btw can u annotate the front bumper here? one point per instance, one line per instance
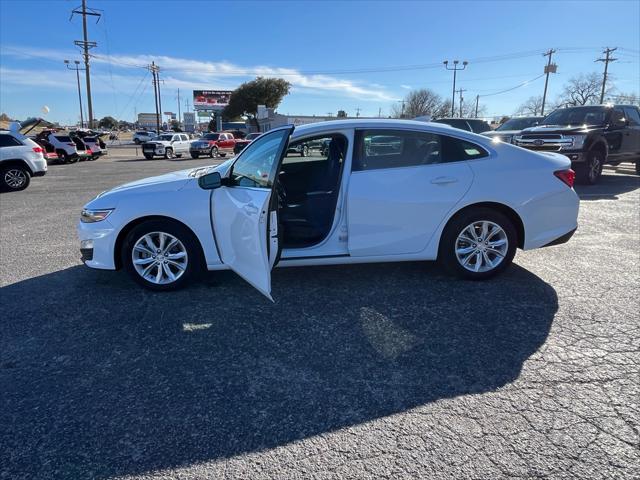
(97, 244)
(41, 173)
(199, 149)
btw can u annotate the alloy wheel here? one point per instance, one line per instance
(159, 258)
(594, 167)
(15, 178)
(481, 246)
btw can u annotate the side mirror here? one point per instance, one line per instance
(210, 181)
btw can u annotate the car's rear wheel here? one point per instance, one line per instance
(63, 156)
(161, 255)
(590, 171)
(168, 153)
(477, 244)
(148, 156)
(213, 152)
(14, 178)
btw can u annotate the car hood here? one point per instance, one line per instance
(159, 142)
(562, 129)
(169, 182)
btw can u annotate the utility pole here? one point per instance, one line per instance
(77, 69)
(461, 99)
(477, 102)
(179, 114)
(379, 112)
(606, 61)
(549, 68)
(86, 45)
(154, 71)
(455, 70)
(358, 112)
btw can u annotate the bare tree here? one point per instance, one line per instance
(533, 106)
(629, 98)
(417, 103)
(581, 90)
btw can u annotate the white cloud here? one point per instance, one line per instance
(188, 73)
(406, 87)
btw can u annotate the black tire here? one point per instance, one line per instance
(304, 151)
(14, 178)
(62, 156)
(136, 141)
(589, 172)
(148, 156)
(195, 155)
(93, 158)
(168, 153)
(213, 152)
(638, 167)
(459, 223)
(195, 259)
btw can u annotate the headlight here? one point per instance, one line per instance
(578, 140)
(92, 216)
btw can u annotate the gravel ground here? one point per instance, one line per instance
(367, 371)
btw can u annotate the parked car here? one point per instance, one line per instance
(474, 125)
(589, 136)
(242, 143)
(93, 140)
(20, 159)
(84, 150)
(511, 128)
(68, 149)
(143, 136)
(167, 145)
(445, 194)
(213, 144)
(48, 150)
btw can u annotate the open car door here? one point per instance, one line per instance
(245, 210)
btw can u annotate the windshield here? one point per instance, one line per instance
(253, 136)
(577, 116)
(166, 138)
(518, 123)
(211, 136)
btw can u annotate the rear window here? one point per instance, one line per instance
(479, 126)
(63, 138)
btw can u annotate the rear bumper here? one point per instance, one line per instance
(561, 239)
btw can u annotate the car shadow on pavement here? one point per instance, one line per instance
(103, 377)
(609, 187)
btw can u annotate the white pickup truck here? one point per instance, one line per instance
(167, 145)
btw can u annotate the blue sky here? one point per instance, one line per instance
(322, 48)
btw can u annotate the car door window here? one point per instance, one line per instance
(617, 118)
(378, 149)
(8, 141)
(184, 138)
(632, 115)
(258, 162)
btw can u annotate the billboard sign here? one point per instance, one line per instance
(211, 99)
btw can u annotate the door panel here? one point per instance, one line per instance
(397, 210)
(240, 222)
(243, 216)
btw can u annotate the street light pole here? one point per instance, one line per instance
(455, 71)
(77, 69)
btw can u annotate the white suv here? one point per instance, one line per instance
(167, 145)
(143, 136)
(20, 159)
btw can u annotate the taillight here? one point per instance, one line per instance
(567, 176)
(38, 149)
(89, 150)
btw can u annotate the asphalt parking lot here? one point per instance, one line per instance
(365, 371)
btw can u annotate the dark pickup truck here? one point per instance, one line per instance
(590, 136)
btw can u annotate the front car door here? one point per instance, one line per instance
(632, 115)
(244, 210)
(617, 135)
(403, 184)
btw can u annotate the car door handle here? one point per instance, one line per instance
(444, 180)
(251, 209)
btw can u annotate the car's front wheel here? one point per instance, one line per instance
(148, 156)
(161, 255)
(195, 155)
(213, 152)
(168, 153)
(14, 178)
(589, 173)
(478, 244)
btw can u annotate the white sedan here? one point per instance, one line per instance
(369, 191)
